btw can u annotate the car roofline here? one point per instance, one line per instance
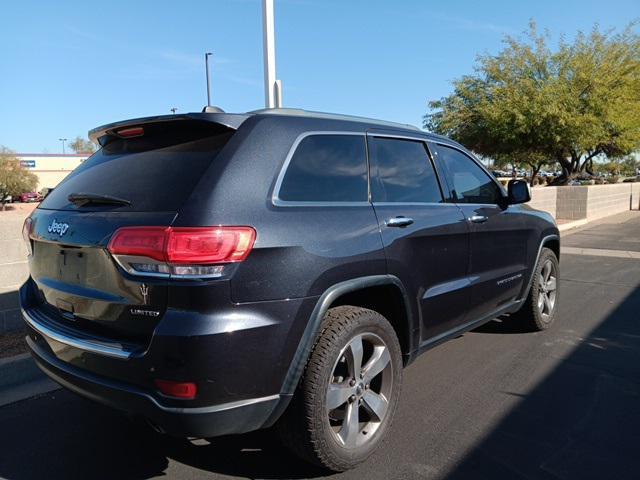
(235, 120)
(298, 112)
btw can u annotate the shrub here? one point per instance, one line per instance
(14, 179)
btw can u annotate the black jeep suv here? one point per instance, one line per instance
(220, 273)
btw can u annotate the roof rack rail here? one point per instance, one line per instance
(331, 116)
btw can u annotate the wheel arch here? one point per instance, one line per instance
(551, 241)
(357, 292)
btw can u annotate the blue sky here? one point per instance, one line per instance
(69, 66)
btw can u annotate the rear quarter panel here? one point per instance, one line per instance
(300, 251)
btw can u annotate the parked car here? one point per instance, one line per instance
(28, 197)
(279, 267)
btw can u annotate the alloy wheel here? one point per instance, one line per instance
(359, 391)
(547, 291)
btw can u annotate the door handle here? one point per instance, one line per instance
(399, 222)
(478, 218)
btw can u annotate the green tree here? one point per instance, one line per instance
(629, 166)
(14, 179)
(80, 145)
(532, 161)
(566, 105)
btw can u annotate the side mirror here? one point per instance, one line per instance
(518, 192)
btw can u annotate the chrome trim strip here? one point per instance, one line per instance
(414, 138)
(448, 287)
(278, 202)
(75, 342)
(215, 408)
(287, 203)
(409, 204)
(125, 262)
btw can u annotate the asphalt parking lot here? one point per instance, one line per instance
(492, 404)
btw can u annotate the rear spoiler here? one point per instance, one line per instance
(229, 120)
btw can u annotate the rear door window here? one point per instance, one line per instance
(155, 172)
(326, 168)
(401, 171)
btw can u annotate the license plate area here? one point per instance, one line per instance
(72, 266)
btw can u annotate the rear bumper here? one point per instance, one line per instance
(237, 354)
(234, 417)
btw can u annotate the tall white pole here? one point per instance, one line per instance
(269, 51)
(206, 66)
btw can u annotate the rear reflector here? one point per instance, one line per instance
(184, 390)
(181, 252)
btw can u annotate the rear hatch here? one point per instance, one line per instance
(141, 176)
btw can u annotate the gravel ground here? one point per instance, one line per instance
(12, 343)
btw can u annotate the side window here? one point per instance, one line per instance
(327, 168)
(468, 182)
(401, 171)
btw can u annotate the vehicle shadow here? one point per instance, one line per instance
(255, 455)
(61, 436)
(582, 420)
(501, 325)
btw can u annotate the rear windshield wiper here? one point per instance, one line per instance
(82, 199)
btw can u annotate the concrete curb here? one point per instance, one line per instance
(571, 225)
(20, 379)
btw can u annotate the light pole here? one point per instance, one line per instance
(62, 140)
(272, 87)
(173, 110)
(206, 64)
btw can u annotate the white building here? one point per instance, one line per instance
(50, 168)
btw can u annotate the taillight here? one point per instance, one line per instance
(183, 251)
(183, 390)
(27, 227)
(206, 245)
(147, 242)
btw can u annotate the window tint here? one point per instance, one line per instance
(470, 184)
(401, 171)
(327, 168)
(156, 172)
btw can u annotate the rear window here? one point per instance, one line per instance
(155, 172)
(327, 168)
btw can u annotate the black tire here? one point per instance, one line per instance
(530, 317)
(307, 428)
